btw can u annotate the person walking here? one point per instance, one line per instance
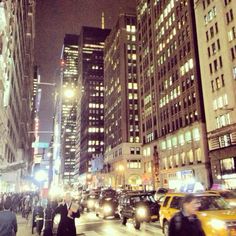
(8, 223)
(68, 212)
(185, 222)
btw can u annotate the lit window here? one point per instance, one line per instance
(128, 28)
(169, 143)
(174, 141)
(188, 136)
(196, 134)
(181, 139)
(163, 145)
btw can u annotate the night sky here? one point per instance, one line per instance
(55, 18)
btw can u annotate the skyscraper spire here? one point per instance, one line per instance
(103, 20)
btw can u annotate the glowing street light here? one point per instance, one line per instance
(69, 93)
(41, 175)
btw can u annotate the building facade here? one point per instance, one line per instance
(91, 101)
(68, 104)
(216, 29)
(173, 129)
(121, 110)
(16, 56)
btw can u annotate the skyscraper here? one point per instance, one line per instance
(91, 102)
(68, 105)
(16, 76)
(216, 30)
(122, 143)
(171, 106)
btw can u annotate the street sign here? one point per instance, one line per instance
(40, 145)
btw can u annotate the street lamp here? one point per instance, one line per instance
(69, 93)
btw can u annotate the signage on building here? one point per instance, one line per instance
(40, 145)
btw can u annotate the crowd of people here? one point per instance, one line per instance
(24, 204)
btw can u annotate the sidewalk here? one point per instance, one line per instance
(24, 226)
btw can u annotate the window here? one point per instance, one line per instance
(134, 164)
(188, 137)
(138, 150)
(176, 202)
(196, 134)
(228, 165)
(132, 150)
(225, 140)
(165, 203)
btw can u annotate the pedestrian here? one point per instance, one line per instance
(185, 222)
(8, 223)
(68, 211)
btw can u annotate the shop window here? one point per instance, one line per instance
(228, 165)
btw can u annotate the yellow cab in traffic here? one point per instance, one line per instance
(216, 215)
(228, 195)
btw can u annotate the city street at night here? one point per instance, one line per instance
(118, 108)
(90, 225)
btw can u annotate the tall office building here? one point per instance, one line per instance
(69, 82)
(216, 30)
(36, 99)
(172, 116)
(16, 74)
(91, 106)
(121, 112)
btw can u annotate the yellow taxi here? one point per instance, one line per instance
(228, 195)
(215, 214)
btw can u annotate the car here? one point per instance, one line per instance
(229, 196)
(107, 204)
(160, 193)
(140, 207)
(215, 214)
(89, 201)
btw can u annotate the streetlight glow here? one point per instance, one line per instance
(41, 175)
(69, 93)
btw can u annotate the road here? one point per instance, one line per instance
(90, 225)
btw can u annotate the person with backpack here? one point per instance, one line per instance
(185, 222)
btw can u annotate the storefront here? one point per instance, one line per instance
(183, 181)
(228, 172)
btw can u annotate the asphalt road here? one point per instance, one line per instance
(90, 225)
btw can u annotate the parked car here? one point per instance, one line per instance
(140, 207)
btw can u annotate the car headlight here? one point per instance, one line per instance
(232, 204)
(142, 212)
(107, 209)
(217, 224)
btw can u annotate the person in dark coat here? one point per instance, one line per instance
(8, 223)
(68, 214)
(185, 222)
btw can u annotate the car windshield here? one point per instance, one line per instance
(147, 198)
(228, 194)
(211, 203)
